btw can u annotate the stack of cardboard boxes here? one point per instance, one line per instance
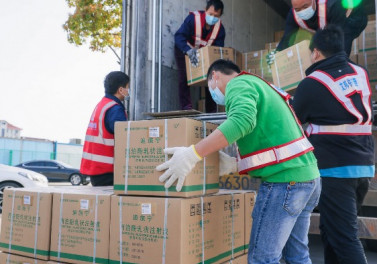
(367, 54)
(139, 221)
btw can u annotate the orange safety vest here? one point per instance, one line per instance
(98, 153)
(342, 88)
(200, 21)
(276, 154)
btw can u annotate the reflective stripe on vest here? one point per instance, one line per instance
(199, 41)
(276, 154)
(313, 129)
(98, 158)
(342, 88)
(322, 21)
(99, 140)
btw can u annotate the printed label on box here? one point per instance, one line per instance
(154, 132)
(84, 204)
(146, 209)
(289, 53)
(27, 199)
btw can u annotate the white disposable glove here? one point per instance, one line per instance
(270, 57)
(227, 164)
(180, 164)
(193, 56)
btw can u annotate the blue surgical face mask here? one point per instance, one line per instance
(211, 20)
(307, 13)
(217, 95)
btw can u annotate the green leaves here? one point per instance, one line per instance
(98, 22)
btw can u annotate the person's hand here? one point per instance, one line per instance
(180, 164)
(193, 56)
(270, 57)
(227, 164)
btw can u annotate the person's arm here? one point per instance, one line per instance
(220, 40)
(241, 103)
(290, 31)
(114, 114)
(302, 101)
(184, 33)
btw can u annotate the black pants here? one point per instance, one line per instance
(338, 206)
(106, 179)
(184, 90)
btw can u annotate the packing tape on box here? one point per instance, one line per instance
(299, 62)
(204, 159)
(190, 65)
(120, 230)
(166, 145)
(60, 224)
(95, 230)
(164, 232)
(232, 225)
(36, 226)
(261, 63)
(202, 59)
(127, 157)
(11, 222)
(277, 73)
(245, 66)
(202, 213)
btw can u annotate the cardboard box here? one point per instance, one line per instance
(207, 55)
(271, 46)
(255, 59)
(290, 64)
(81, 225)
(278, 35)
(367, 39)
(144, 147)
(26, 222)
(239, 260)
(176, 230)
(249, 197)
(6, 258)
(235, 181)
(249, 207)
(369, 61)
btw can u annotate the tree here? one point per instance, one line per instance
(96, 21)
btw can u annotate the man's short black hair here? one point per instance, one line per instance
(217, 4)
(226, 67)
(328, 41)
(114, 80)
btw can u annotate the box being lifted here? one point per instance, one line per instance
(207, 55)
(290, 64)
(139, 149)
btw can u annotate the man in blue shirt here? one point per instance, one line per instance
(98, 154)
(200, 29)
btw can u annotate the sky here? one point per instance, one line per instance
(48, 87)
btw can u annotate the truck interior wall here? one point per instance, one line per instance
(249, 24)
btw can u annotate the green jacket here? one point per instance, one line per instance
(259, 118)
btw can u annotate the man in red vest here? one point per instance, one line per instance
(312, 15)
(200, 29)
(98, 154)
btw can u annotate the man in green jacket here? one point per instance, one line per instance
(272, 146)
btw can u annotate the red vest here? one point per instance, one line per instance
(98, 153)
(200, 21)
(276, 154)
